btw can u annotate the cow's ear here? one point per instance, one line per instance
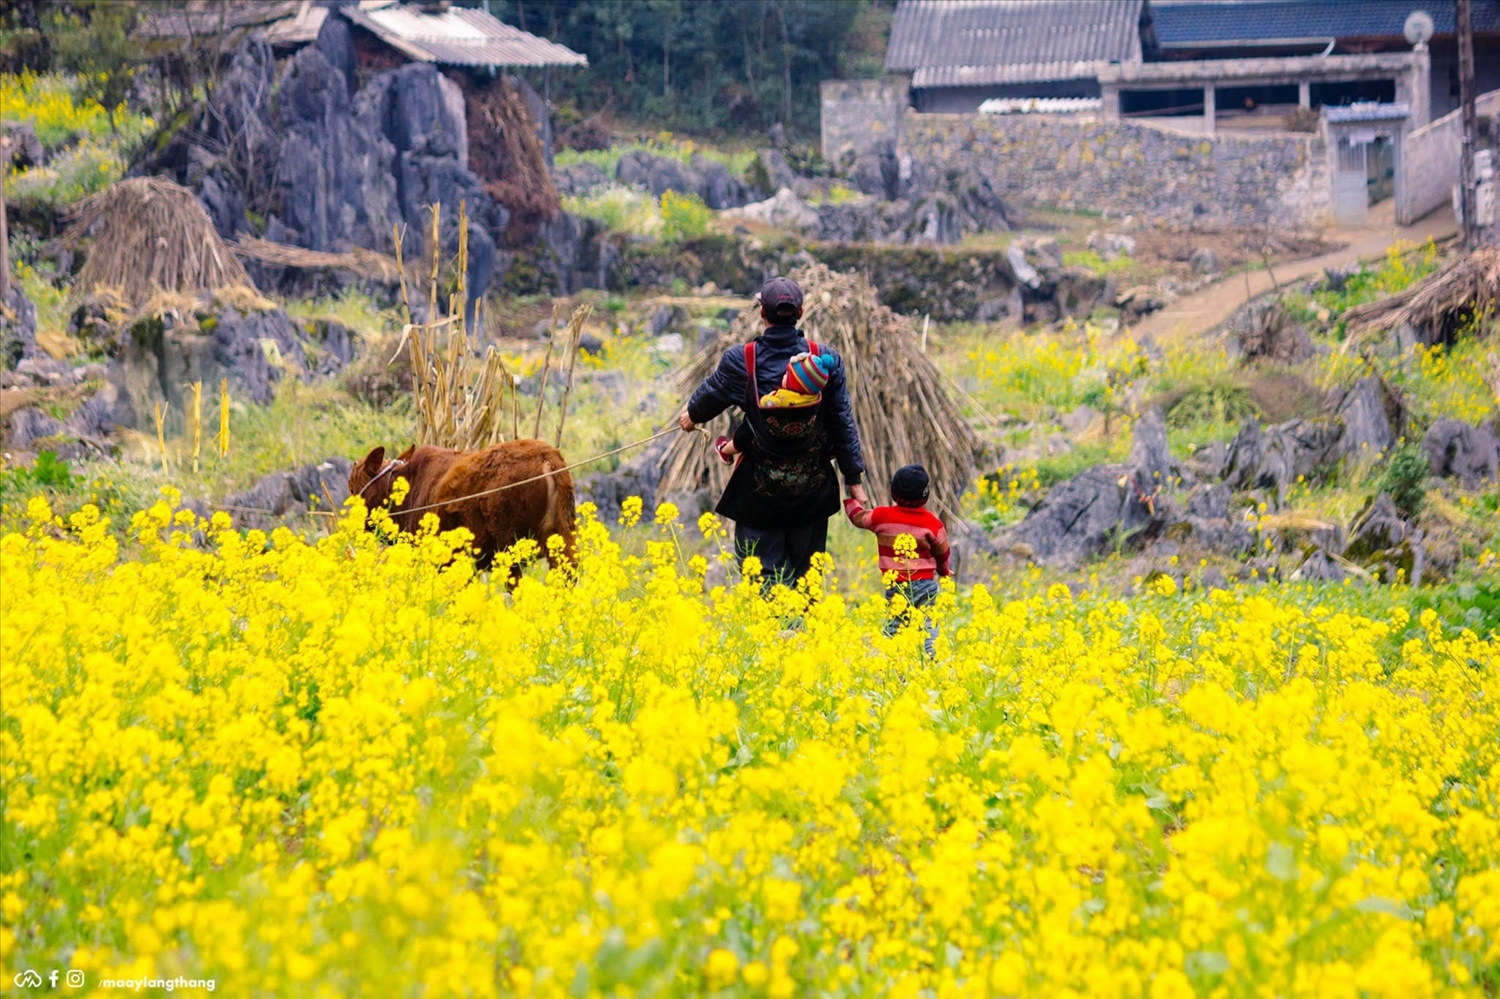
(374, 460)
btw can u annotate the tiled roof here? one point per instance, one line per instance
(1202, 22)
(459, 36)
(967, 42)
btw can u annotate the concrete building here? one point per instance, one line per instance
(1196, 111)
(956, 54)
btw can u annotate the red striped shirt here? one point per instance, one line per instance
(889, 523)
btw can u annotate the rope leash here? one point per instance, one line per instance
(545, 475)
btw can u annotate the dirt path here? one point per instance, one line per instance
(1207, 307)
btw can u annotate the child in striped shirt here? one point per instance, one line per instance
(911, 570)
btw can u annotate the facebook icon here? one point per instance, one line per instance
(52, 979)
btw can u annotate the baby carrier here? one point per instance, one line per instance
(788, 472)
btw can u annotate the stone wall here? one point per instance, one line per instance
(859, 115)
(1430, 160)
(1125, 168)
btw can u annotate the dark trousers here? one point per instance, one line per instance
(784, 554)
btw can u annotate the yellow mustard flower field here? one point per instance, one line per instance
(339, 766)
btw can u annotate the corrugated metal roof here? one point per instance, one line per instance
(929, 35)
(1040, 105)
(1203, 22)
(460, 36)
(1367, 111)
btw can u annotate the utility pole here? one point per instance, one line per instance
(1466, 178)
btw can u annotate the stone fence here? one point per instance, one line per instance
(1127, 168)
(1430, 161)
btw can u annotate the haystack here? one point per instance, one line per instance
(903, 413)
(364, 263)
(506, 153)
(151, 236)
(1440, 303)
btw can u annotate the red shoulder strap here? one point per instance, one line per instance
(752, 391)
(814, 348)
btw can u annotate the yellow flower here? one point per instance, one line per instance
(905, 546)
(721, 968)
(357, 764)
(630, 511)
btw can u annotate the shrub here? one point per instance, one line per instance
(1091, 260)
(1405, 479)
(1216, 402)
(50, 104)
(87, 168)
(684, 216)
(620, 208)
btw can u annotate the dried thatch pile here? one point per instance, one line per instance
(902, 410)
(506, 153)
(151, 236)
(1439, 303)
(365, 263)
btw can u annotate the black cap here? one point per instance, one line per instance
(781, 297)
(910, 484)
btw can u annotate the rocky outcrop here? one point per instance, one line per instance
(639, 477)
(1275, 457)
(1368, 427)
(1103, 506)
(29, 425)
(17, 327)
(287, 497)
(335, 169)
(1263, 330)
(1468, 453)
(707, 179)
(1385, 544)
(159, 358)
(328, 166)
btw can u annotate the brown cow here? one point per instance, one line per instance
(498, 520)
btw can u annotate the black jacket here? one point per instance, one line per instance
(773, 349)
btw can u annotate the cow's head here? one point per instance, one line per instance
(371, 478)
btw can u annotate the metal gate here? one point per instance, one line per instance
(1351, 179)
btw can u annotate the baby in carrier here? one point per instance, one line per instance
(801, 388)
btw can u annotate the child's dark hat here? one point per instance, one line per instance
(910, 484)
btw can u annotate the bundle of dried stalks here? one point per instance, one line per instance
(151, 235)
(506, 153)
(901, 407)
(365, 263)
(460, 395)
(1439, 303)
(460, 399)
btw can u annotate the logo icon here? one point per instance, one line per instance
(75, 978)
(52, 977)
(28, 979)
